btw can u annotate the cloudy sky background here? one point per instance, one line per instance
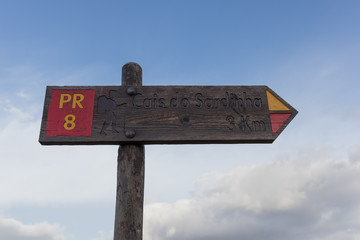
(303, 186)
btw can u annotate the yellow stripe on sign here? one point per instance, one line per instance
(274, 103)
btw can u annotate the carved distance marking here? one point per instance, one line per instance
(244, 123)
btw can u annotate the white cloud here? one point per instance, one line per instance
(9, 109)
(35, 174)
(11, 229)
(104, 236)
(23, 94)
(315, 198)
(355, 154)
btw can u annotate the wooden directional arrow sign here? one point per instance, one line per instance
(163, 115)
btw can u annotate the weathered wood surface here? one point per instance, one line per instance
(175, 115)
(130, 193)
(130, 176)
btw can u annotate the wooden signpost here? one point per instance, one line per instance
(132, 115)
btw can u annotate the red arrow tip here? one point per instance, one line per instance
(277, 120)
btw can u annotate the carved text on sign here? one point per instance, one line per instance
(199, 100)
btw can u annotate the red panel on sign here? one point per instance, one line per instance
(70, 113)
(277, 120)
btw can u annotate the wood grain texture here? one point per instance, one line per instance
(130, 176)
(176, 115)
(130, 193)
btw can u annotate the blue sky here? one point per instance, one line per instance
(303, 186)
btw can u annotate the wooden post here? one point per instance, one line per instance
(130, 173)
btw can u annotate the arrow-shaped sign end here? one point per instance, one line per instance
(281, 113)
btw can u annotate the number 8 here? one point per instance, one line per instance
(69, 120)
